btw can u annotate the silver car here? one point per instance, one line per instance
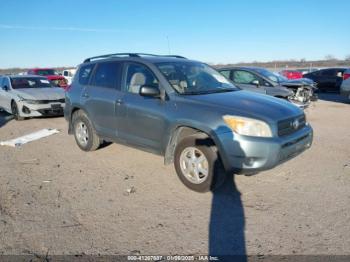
(345, 86)
(30, 96)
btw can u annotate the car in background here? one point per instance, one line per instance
(306, 70)
(51, 75)
(345, 86)
(263, 81)
(69, 74)
(291, 74)
(328, 79)
(30, 96)
(185, 111)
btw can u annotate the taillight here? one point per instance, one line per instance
(346, 76)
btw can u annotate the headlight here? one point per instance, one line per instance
(248, 126)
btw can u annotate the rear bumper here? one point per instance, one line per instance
(245, 155)
(345, 93)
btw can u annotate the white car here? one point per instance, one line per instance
(30, 96)
(345, 86)
(69, 74)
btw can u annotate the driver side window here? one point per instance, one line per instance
(244, 77)
(138, 76)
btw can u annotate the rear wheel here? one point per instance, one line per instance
(84, 132)
(15, 112)
(198, 164)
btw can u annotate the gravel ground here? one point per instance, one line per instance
(56, 199)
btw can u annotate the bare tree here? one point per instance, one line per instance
(330, 58)
(347, 58)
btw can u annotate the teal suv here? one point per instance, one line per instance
(185, 111)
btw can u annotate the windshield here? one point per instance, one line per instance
(46, 72)
(270, 75)
(191, 78)
(30, 82)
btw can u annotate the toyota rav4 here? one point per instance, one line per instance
(185, 111)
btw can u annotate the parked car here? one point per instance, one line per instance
(30, 96)
(307, 70)
(51, 75)
(328, 79)
(69, 74)
(185, 111)
(345, 86)
(291, 74)
(261, 80)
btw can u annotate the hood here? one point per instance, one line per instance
(52, 93)
(298, 82)
(249, 104)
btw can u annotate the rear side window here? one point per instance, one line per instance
(329, 72)
(108, 75)
(84, 74)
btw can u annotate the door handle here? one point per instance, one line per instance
(119, 102)
(85, 95)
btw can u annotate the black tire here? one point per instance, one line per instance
(15, 112)
(93, 141)
(216, 173)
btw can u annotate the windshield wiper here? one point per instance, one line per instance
(209, 91)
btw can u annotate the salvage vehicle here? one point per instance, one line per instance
(291, 74)
(27, 96)
(51, 75)
(345, 86)
(328, 79)
(185, 111)
(260, 80)
(307, 70)
(69, 74)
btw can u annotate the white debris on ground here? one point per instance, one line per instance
(29, 138)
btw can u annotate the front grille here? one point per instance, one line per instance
(51, 101)
(291, 125)
(51, 112)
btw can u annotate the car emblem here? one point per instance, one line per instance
(295, 124)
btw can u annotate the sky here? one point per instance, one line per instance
(50, 33)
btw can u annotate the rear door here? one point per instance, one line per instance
(328, 79)
(101, 96)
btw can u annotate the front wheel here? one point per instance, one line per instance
(15, 112)
(198, 164)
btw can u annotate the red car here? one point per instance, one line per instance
(292, 74)
(50, 74)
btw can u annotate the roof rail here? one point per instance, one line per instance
(87, 60)
(176, 56)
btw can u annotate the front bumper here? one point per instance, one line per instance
(247, 155)
(36, 110)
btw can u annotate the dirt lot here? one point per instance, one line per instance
(55, 198)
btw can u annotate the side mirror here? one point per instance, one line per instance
(150, 91)
(256, 83)
(5, 88)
